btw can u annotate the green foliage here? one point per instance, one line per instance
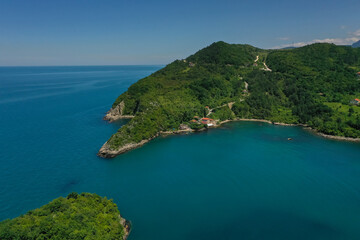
(196, 126)
(222, 113)
(221, 53)
(317, 74)
(297, 90)
(79, 216)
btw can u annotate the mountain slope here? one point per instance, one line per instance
(227, 81)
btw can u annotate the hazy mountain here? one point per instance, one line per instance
(356, 45)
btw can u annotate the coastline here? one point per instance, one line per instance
(127, 227)
(106, 152)
(305, 127)
(333, 137)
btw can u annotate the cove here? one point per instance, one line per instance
(244, 180)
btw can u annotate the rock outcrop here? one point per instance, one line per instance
(106, 152)
(117, 113)
(127, 227)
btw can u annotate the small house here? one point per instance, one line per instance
(355, 101)
(358, 74)
(191, 64)
(209, 122)
(205, 120)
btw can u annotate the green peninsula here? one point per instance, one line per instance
(317, 85)
(78, 216)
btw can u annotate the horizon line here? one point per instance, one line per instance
(91, 65)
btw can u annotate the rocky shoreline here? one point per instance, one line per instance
(106, 152)
(340, 138)
(306, 127)
(127, 227)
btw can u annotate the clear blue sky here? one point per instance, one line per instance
(115, 32)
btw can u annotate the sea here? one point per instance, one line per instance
(244, 180)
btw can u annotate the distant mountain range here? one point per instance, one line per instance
(356, 45)
(289, 48)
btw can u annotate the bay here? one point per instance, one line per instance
(244, 180)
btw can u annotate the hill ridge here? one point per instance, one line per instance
(311, 85)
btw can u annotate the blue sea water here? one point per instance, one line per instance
(241, 181)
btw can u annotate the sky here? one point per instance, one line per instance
(124, 32)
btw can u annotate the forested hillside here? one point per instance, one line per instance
(312, 85)
(79, 216)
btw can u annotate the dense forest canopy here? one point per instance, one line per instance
(312, 85)
(78, 216)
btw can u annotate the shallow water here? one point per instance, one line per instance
(241, 181)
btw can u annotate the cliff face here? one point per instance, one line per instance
(117, 113)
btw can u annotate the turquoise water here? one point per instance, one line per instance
(242, 181)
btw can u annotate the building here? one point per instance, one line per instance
(205, 120)
(208, 122)
(355, 101)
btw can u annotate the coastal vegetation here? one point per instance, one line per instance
(78, 216)
(313, 85)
